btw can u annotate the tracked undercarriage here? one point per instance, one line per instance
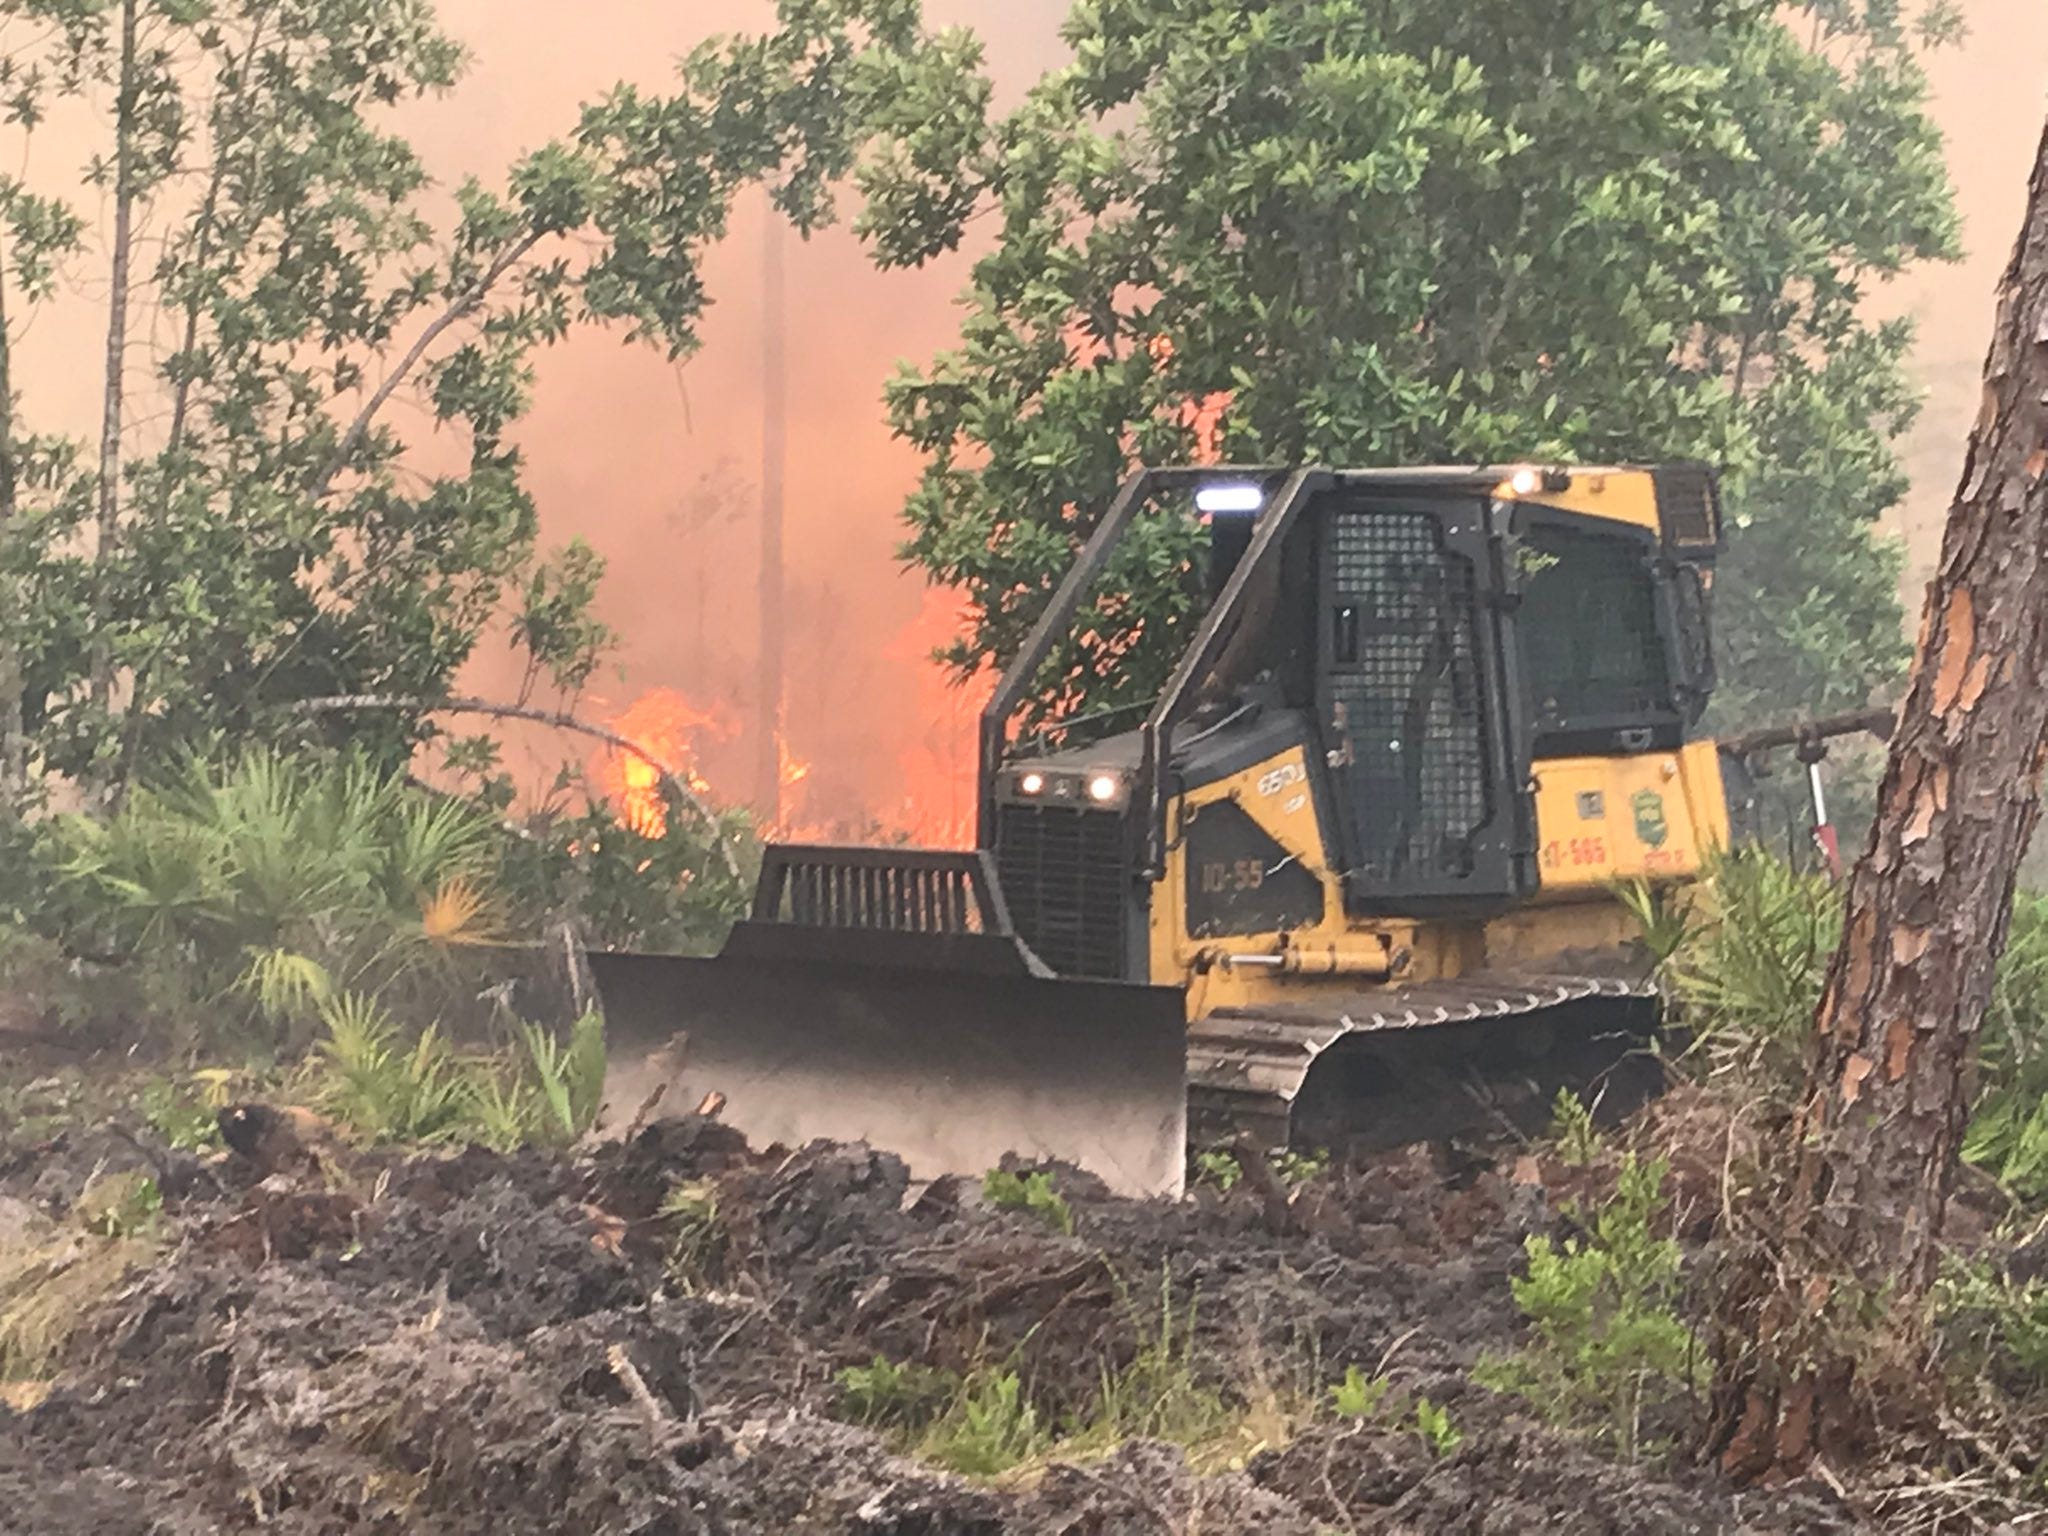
(1484, 1052)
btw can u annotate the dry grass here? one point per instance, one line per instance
(49, 1289)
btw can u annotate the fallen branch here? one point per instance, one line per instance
(663, 1432)
(1266, 1182)
(636, 1388)
(1877, 722)
(645, 1112)
(560, 720)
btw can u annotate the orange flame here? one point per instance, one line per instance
(670, 729)
(932, 801)
(794, 769)
(936, 801)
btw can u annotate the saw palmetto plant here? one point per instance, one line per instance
(276, 884)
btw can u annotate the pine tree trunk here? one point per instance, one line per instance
(109, 487)
(1874, 1149)
(770, 657)
(13, 737)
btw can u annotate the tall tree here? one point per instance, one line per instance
(35, 235)
(1375, 233)
(1873, 1151)
(258, 524)
(130, 127)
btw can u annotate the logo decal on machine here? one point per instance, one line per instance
(1651, 828)
(1280, 778)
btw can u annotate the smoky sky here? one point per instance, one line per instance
(657, 464)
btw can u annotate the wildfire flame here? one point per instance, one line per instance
(670, 729)
(936, 800)
(794, 769)
(930, 799)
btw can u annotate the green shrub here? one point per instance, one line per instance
(980, 1425)
(696, 1253)
(1433, 1424)
(1572, 1129)
(1161, 1393)
(1359, 1396)
(1299, 1167)
(76, 993)
(1032, 1193)
(1662, 912)
(1748, 973)
(1609, 1344)
(184, 1119)
(121, 1205)
(1994, 1325)
(2008, 1133)
(276, 883)
(889, 1395)
(987, 1422)
(567, 1078)
(1220, 1167)
(2008, 1138)
(667, 889)
(385, 1088)
(1372, 1399)
(391, 1085)
(990, 1426)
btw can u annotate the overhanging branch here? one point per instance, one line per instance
(463, 303)
(560, 720)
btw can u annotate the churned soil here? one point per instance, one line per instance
(502, 1345)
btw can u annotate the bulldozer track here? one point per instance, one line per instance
(1246, 1068)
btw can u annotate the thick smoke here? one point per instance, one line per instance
(1989, 97)
(659, 465)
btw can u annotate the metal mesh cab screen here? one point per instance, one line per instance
(1405, 696)
(1062, 871)
(1588, 623)
(1687, 505)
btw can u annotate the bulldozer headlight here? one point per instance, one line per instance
(1528, 480)
(1106, 788)
(1229, 498)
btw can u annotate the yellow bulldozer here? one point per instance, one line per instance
(1358, 866)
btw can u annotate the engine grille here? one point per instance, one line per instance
(1063, 874)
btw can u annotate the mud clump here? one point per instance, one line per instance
(509, 1345)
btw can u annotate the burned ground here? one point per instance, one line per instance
(477, 1343)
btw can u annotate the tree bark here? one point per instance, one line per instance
(774, 451)
(1873, 1150)
(115, 398)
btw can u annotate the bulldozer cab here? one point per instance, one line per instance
(1429, 634)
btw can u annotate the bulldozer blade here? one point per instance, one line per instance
(949, 1069)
